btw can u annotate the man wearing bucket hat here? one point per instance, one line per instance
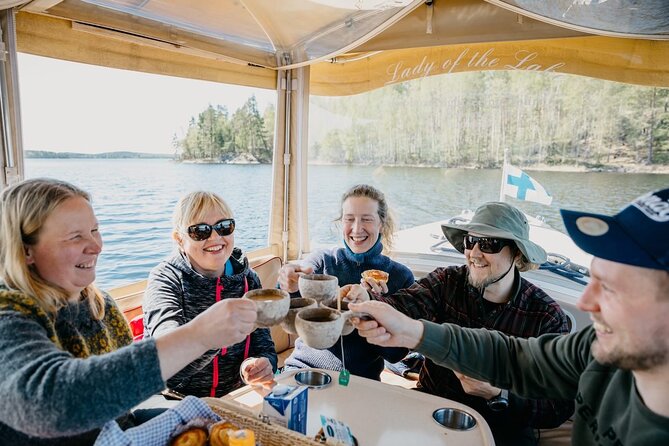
(488, 292)
(616, 370)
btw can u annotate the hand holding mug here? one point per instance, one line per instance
(289, 275)
(227, 322)
(353, 293)
(390, 328)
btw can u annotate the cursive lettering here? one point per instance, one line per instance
(524, 57)
(467, 60)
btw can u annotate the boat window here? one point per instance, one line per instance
(117, 133)
(435, 145)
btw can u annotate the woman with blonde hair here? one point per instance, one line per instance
(366, 225)
(206, 269)
(68, 362)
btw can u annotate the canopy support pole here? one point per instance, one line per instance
(10, 111)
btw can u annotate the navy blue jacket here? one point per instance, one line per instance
(361, 358)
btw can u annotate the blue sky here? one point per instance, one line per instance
(73, 107)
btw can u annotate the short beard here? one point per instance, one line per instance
(483, 283)
(640, 361)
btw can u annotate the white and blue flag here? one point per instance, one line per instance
(519, 185)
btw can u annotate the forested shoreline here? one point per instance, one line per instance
(463, 120)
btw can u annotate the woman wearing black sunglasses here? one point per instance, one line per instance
(206, 269)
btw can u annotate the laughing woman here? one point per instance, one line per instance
(206, 269)
(366, 225)
(68, 361)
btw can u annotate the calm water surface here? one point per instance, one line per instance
(134, 199)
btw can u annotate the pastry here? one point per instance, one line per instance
(219, 433)
(193, 433)
(194, 436)
(376, 274)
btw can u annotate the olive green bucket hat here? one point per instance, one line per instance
(501, 220)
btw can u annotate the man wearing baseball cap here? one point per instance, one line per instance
(488, 292)
(616, 370)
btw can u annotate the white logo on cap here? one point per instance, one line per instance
(653, 206)
(592, 226)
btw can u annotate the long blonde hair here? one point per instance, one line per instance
(385, 215)
(192, 208)
(24, 208)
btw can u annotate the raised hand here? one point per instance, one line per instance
(353, 293)
(390, 328)
(289, 275)
(226, 322)
(374, 286)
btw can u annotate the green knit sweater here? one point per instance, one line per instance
(63, 376)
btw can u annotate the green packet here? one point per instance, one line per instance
(336, 432)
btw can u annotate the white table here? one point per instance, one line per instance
(377, 413)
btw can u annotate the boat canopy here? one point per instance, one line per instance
(353, 45)
(327, 47)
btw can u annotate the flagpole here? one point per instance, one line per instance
(501, 186)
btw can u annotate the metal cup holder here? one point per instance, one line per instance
(453, 418)
(313, 379)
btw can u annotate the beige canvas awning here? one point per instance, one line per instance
(447, 37)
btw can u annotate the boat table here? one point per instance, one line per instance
(377, 413)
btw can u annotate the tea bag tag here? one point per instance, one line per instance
(344, 377)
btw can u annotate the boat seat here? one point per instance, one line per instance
(129, 299)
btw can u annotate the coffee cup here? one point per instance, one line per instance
(296, 304)
(320, 327)
(343, 307)
(320, 287)
(272, 305)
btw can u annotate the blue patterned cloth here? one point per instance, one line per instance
(157, 431)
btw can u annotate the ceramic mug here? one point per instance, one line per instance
(272, 305)
(320, 287)
(320, 327)
(296, 304)
(348, 326)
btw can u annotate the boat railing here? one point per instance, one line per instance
(561, 265)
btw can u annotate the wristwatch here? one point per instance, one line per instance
(500, 402)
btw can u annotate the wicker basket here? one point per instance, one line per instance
(266, 434)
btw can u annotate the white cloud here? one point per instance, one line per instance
(75, 107)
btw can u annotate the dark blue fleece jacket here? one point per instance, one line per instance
(361, 358)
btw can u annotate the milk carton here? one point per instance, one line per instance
(287, 406)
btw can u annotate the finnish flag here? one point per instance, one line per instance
(518, 184)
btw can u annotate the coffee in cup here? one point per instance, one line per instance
(272, 305)
(296, 304)
(319, 327)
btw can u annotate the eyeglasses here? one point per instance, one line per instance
(488, 245)
(202, 231)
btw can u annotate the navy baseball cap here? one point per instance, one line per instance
(637, 235)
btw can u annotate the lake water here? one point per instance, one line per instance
(134, 199)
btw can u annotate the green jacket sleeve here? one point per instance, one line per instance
(545, 367)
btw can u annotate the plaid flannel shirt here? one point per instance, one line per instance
(446, 296)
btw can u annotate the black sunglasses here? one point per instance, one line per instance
(202, 231)
(488, 245)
